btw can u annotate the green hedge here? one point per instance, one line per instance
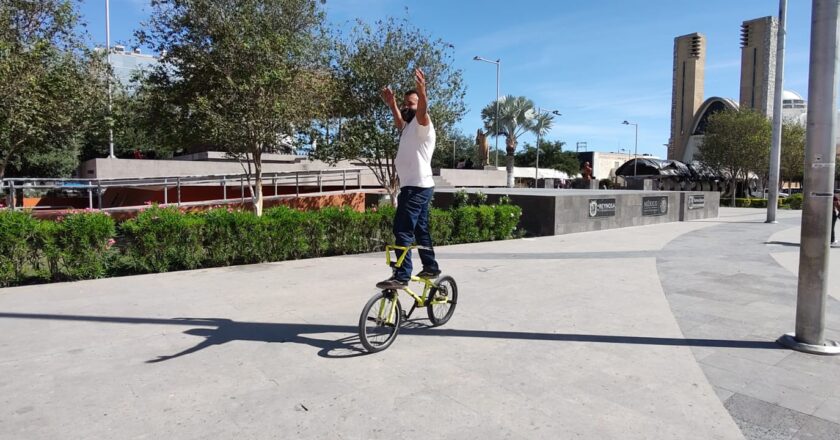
(792, 202)
(83, 245)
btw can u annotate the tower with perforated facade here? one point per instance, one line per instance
(687, 91)
(758, 64)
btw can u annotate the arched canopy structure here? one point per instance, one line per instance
(710, 106)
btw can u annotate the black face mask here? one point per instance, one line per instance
(407, 114)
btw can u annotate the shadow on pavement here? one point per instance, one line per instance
(782, 243)
(218, 331)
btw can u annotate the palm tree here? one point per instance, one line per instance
(517, 116)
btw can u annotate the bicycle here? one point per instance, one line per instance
(379, 323)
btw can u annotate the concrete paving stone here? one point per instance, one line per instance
(764, 420)
(818, 429)
(723, 394)
(739, 366)
(830, 409)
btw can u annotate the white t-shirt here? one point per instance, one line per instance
(414, 156)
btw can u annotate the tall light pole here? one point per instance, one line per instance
(636, 148)
(776, 143)
(498, 63)
(819, 175)
(537, 167)
(108, 52)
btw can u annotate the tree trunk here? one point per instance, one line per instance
(510, 144)
(734, 190)
(6, 158)
(258, 189)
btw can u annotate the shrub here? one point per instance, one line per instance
(80, 242)
(794, 201)
(232, 237)
(507, 217)
(465, 221)
(17, 241)
(164, 239)
(284, 234)
(441, 226)
(460, 198)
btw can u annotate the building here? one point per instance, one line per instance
(758, 64)
(687, 90)
(689, 112)
(604, 164)
(127, 64)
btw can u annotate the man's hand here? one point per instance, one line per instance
(420, 81)
(387, 95)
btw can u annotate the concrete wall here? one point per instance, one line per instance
(697, 205)
(127, 168)
(575, 214)
(555, 212)
(479, 178)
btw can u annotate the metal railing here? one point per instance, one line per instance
(346, 178)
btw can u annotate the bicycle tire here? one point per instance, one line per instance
(445, 287)
(375, 334)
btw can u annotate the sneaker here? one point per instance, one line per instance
(428, 274)
(391, 283)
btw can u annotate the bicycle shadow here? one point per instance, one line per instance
(227, 330)
(220, 331)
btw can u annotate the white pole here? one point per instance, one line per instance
(820, 152)
(496, 134)
(108, 52)
(776, 143)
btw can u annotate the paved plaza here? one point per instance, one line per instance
(653, 332)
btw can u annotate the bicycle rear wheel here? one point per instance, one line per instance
(379, 323)
(443, 299)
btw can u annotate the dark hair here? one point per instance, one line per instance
(411, 92)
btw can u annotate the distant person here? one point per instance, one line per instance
(468, 164)
(586, 172)
(835, 212)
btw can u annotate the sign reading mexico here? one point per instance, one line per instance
(654, 205)
(602, 207)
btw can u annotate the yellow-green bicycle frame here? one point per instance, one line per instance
(429, 288)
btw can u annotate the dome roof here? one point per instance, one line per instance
(789, 95)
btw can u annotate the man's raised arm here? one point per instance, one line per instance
(390, 100)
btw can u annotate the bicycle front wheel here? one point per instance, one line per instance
(380, 321)
(443, 299)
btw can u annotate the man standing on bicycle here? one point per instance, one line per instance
(414, 169)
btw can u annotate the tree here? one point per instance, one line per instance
(51, 87)
(464, 150)
(736, 143)
(243, 75)
(792, 164)
(516, 117)
(551, 156)
(387, 53)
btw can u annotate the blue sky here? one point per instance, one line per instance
(598, 62)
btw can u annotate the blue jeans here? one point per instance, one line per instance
(411, 225)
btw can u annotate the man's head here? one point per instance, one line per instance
(409, 107)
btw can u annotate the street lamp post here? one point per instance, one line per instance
(636, 148)
(108, 54)
(537, 165)
(776, 141)
(498, 63)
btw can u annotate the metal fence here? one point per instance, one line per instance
(94, 188)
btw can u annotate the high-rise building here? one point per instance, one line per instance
(128, 63)
(687, 91)
(758, 64)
